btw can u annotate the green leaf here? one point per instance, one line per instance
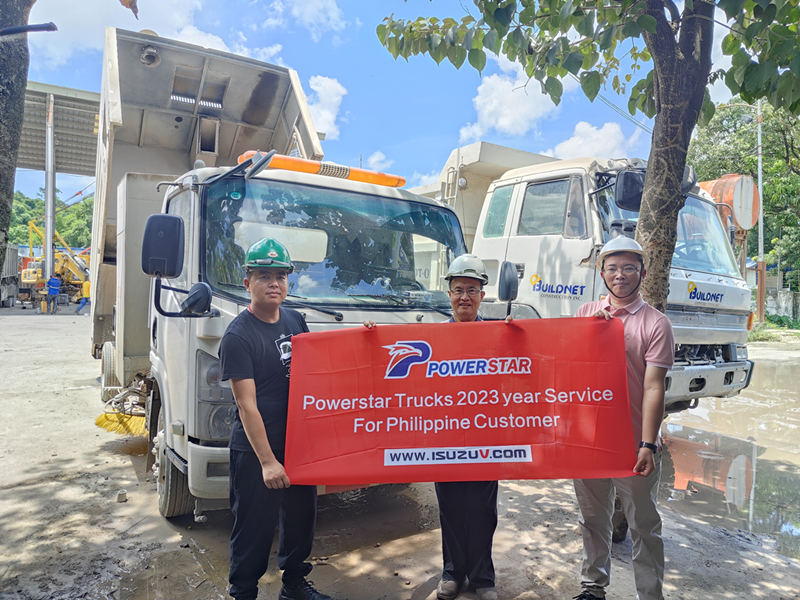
(504, 15)
(631, 29)
(467, 43)
(554, 89)
(647, 22)
(382, 30)
(393, 46)
(769, 15)
(730, 44)
(573, 62)
(732, 8)
(518, 39)
(607, 37)
(492, 41)
(456, 55)
(707, 109)
(586, 25)
(566, 10)
(590, 83)
(477, 58)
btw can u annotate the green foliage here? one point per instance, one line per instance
(729, 144)
(551, 39)
(73, 222)
(785, 322)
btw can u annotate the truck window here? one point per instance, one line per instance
(181, 206)
(497, 213)
(702, 243)
(544, 208)
(575, 225)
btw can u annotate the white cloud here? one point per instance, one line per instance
(192, 35)
(421, 179)
(588, 140)
(81, 29)
(324, 103)
(507, 103)
(318, 16)
(275, 12)
(377, 161)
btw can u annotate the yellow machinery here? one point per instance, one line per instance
(71, 266)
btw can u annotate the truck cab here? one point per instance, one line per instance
(551, 219)
(361, 251)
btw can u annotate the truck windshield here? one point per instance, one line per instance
(701, 244)
(347, 247)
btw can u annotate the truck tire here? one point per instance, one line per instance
(109, 377)
(174, 499)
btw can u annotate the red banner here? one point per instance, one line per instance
(533, 399)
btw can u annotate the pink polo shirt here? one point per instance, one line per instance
(648, 341)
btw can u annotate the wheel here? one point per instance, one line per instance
(174, 499)
(109, 380)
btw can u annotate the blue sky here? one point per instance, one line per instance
(390, 115)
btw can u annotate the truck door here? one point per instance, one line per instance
(551, 245)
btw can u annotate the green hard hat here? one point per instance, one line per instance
(268, 253)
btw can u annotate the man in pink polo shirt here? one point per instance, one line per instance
(649, 351)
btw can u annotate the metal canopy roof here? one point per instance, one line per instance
(75, 121)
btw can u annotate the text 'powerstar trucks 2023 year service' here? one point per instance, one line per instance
(549, 218)
(362, 249)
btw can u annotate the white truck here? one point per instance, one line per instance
(9, 277)
(549, 218)
(362, 249)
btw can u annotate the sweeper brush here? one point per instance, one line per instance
(124, 414)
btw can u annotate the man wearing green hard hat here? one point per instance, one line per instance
(255, 354)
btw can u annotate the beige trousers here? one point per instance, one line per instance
(639, 496)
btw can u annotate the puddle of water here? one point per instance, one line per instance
(735, 462)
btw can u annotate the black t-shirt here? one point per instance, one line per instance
(253, 349)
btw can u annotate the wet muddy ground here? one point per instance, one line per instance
(729, 500)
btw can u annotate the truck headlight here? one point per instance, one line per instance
(216, 410)
(741, 352)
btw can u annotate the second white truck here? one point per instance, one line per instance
(551, 217)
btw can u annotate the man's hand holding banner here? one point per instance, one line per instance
(530, 399)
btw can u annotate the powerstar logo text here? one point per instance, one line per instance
(556, 288)
(405, 354)
(696, 294)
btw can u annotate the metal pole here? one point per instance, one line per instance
(49, 191)
(762, 270)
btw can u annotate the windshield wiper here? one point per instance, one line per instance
(327, 311)
(405, 300)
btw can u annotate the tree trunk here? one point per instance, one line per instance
(13, 81)
(680, 71)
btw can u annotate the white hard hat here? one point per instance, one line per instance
(621, 243)
(468, 265)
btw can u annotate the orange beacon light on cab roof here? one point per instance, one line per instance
(291, 163)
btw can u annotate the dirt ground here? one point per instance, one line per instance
(64, 534)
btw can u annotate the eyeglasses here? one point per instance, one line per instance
(471, 292)
(626, 270)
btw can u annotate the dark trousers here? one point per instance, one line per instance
(468, 514)
(256, 512)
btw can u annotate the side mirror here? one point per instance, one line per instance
(198, 300)
(162, 246)
(508, 282)
(628, 189)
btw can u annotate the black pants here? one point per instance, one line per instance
(256, 511)
(468, 514)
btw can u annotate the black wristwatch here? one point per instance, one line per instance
(652, 447)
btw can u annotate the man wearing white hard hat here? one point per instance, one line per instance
(649, 352)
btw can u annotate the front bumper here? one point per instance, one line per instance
(686, 384)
